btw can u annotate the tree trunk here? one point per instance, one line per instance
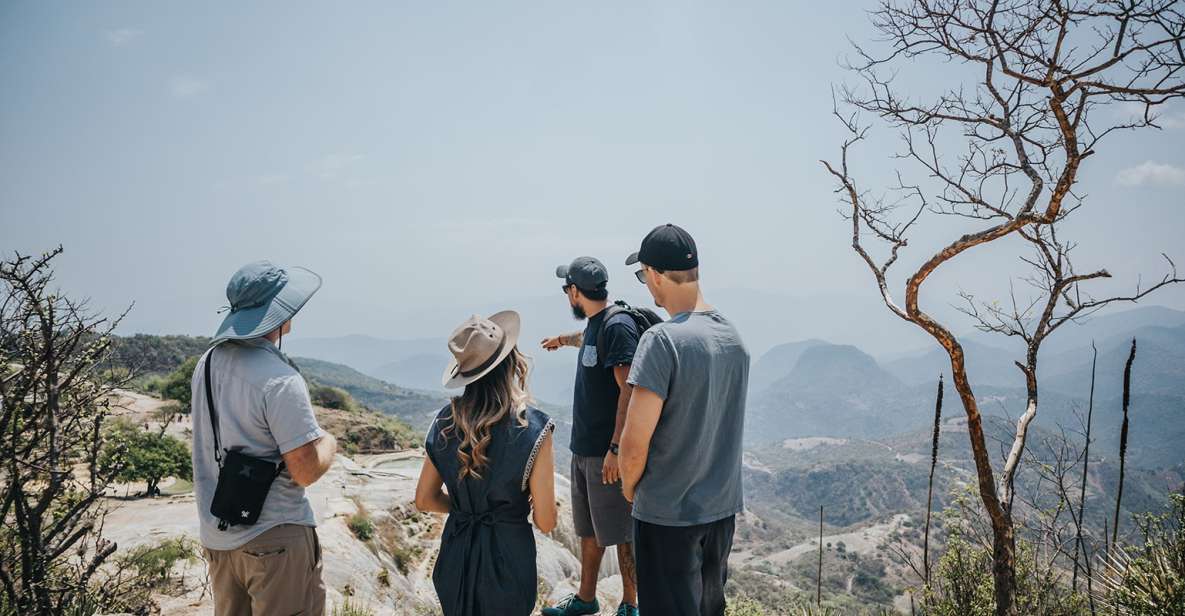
(1004, 569)
(1003, 543)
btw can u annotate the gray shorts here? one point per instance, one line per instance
(599, 510)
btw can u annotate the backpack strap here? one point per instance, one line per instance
(213, 412)
(611, 311)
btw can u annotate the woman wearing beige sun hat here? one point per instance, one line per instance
(493, 452)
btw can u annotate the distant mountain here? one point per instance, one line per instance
(366, 354)
(986, 365)
(1103, 326)
(835, 390)
(839, 391)
(551, 379)
(778, 362)
(422, 371)
(1159, 367)
(418, 363)
(1157, 414)
(991, 357)
(415, 407)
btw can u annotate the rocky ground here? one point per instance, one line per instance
(389, 574)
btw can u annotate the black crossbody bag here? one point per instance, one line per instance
(243, 480)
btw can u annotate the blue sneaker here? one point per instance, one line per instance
(626, 609)
(573, 606)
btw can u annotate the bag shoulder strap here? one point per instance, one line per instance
(213, 412)
(611, 311)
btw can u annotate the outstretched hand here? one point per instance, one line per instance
(553, 343)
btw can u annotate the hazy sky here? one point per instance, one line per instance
(445, 156)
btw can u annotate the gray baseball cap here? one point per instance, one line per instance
(585, 272)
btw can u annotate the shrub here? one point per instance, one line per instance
(176, 384)
(1150, 579)
(333, 398)
(145, 456)
(166, 412)
(349, 608)
(743, 606)
(360, 523)
(154, 562)
(963, 584)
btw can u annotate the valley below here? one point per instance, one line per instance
(832, 433)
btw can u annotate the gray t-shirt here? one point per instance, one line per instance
(698, 365)
(263, 410)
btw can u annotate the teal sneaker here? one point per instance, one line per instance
(573, 606)
(626, 609)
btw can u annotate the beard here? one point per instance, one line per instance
(578, 312)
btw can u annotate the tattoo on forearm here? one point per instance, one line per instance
(572, 339)
(625, 560)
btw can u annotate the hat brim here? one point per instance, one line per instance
(561, 271)
(511, 325)
(632, 259)
(255, 322)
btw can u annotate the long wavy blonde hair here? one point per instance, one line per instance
(483, 405)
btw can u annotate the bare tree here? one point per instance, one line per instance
(52, 406)
(1042, 71)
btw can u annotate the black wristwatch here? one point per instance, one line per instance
(614, 449)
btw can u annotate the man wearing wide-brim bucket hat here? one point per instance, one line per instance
(493, 452)
(250, 402)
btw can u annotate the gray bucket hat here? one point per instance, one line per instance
(262, 297)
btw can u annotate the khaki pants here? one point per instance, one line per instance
(277, 573)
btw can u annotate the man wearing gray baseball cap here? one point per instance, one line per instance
(600, 513)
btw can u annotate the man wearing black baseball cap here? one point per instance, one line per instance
(600, 513)
(681, 447)
(668, 248)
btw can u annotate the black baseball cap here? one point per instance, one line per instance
(586, 273)
(668, 248)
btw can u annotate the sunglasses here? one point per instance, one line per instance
(565, 288)
(641, 275)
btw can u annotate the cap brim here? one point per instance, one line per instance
(511, 325)
(255, 322)
(561, 271)
(632, 259)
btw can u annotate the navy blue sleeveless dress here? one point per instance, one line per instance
(486, 564)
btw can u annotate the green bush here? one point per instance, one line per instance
(145, 456)
(349, 608)
(154, 562)
(963, 584)
(333, 398)
(176, 384)
(361, 525)
(744, 607)
(1150, 579)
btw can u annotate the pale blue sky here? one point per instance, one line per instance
(427, 160)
